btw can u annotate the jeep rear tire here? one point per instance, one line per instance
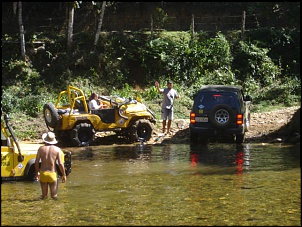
(221, 115)
(51, 115)
(82, 135)
(141, 130)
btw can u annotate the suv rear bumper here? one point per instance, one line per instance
(217, 131)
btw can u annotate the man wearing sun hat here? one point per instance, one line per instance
(46, 171)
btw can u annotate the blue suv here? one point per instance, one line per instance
(220, 110)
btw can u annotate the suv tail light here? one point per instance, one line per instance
(192, 118)
(239, 120)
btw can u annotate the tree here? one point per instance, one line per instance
(70, 25)
(97, 35)
(21, 28)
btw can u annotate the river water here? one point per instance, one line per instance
(173, 184)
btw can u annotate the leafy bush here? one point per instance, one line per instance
(123, 62)
(253, 62)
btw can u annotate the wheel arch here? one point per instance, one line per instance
(29, 171)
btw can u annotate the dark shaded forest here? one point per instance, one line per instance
(254, 44)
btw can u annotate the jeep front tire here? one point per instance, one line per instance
(141, 130)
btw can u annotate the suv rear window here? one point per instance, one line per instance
(208, 100)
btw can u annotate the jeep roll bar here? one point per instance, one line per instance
(11, 134)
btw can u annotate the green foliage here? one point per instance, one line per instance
(286, 92)
(253, 62)
(25, 127)
(18, 99)
(283, 46)
(220, 76)
(22, 72)
(8, 101)
(125, 92)
(123, 62)
(160, 18)
(216, 53)
(151, 93)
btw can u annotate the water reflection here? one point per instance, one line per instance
(172, 184)
(223, 156)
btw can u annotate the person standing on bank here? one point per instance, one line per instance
(46, 172)
(169, 94)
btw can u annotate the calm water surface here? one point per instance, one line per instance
(214, 184)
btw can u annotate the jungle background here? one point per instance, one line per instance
(122, 48)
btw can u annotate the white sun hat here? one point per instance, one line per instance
(49, 137)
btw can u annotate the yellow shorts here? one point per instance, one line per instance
(48, 177)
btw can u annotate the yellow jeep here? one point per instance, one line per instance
(17, 163)
(72, 121)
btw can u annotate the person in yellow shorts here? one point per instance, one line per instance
(46, 170)
(47, 176)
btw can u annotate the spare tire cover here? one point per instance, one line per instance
(51, 115)
(221, 115)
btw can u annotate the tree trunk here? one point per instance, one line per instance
(70, 27)
(97, 35)
(15, 8)
(243, 26)
(22, 39)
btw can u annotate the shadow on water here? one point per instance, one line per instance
(114, 152)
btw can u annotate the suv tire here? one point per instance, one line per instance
(240, 138)
(221, 115)
(82, 135)
(51, 115)
(194, 137)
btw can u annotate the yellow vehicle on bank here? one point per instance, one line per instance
(18, 162)
(72, 121)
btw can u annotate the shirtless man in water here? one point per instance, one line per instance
(46, 173)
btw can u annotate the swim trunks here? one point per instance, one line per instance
(48, 177)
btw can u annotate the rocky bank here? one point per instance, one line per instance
(276, 126)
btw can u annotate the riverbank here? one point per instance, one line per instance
(281, 125)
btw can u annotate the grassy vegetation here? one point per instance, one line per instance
(127, 65)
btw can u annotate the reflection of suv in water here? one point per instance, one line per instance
(220, 110)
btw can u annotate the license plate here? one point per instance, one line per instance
(201, 119)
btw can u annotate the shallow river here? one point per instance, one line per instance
(214, 184)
